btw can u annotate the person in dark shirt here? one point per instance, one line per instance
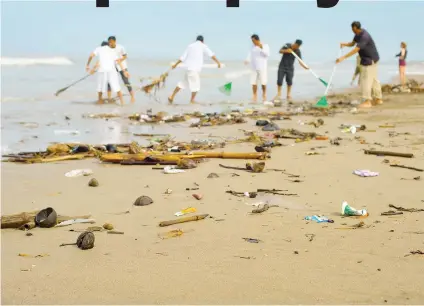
(402, 63)
(286, 67)
(365, 46)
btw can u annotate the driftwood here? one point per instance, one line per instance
(417, 252)
(115, 232)
(399, 208)
(406, 167)
(147, 163)
(262, 209)
(151, 135)
(277, 192)
(118, 157)
(232, 155)
(25, 220)
(183, 220)
(388, 153)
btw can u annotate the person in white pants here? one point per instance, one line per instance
(258, 59)
(192, 59)
(107, 73)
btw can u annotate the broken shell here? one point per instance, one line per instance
(93, 183)
(143, 201)
(85, 241)
(213, 175)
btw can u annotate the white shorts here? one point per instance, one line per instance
(191, 80)
(109, 77)
(259, 76)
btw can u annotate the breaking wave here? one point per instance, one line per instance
(24, 61)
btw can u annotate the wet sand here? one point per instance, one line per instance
(211, 263)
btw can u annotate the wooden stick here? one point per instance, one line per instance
(151, 135)
(115, 232)
(406, 167)
(147, 163)
(183, 220)
(388, 153)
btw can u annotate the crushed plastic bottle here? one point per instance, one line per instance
(318, 219)
(172, 170)
(186, 211)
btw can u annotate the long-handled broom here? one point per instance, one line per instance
(313, 73)
(323, 101)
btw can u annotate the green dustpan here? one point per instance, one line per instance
(322, 102)
(226, 89)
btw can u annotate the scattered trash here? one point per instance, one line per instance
(387, 153)
(115, 232)
(143, 201)
(186, 211)
(197, 196)
(319, 219)
(168, 191)
(66, 132)
(75, 221)
(171, 234)
(335, 141)
(347, 210)
(85, 241)
(172, 170)
(252, 240)
(310, 237)
(213, 175)
(312, 153)
(399, 208)
(355, 226)
(93, 183)
(406, 167)
(32, 256)
(79, 172)
(391, 213)
(417, 178)
(245, 257)
(46, 218)
(108, 226)
(183, 220)
(365, 173)
(417, 252)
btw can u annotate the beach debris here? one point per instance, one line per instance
(262, 122)
(168, 191)
(186, 163)
(171, 234)
(183, 220)
(312, 153)
(295, 134)
(143, 201)
(115, 232)
(391, 213)
(251, 195)
(318, 219)
(252, 240)
(197, 196)
(79, 172)
(33, 256)
(262, 209)
(212, 175)
(155, 84)
(28, 270)
(93, 183)
(399, 208)
(365, 173)
(406, 167)
(335, 141)
(310, 237)
(387, 153)
(411, 86)
(348, 210)
(46, 218)
(276, 192)
(75, 221)
(252, 167)
(270, 127)
(417, 178)
(417, 252)
(317, 123)
(185, 211)
(245, 257)
(85, 241)
(172, 170)
(108, 226)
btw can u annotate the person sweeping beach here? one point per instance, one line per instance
(365, 46)
(402, 63)
(258, 59)
(192, 59)
(106, 70)
(286, 67)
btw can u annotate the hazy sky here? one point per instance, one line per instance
(162, 29)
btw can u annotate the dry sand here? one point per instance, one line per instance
(206, 265)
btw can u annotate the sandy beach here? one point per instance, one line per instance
(211, 263)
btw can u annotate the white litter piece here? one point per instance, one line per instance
(75, 221)
(365, 173)
(172, 170)
(79, 172)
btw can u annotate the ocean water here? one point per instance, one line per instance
(32, 117)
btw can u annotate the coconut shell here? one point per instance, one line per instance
(46, 218)
(108, 226)
(85, 241)
(143, 201)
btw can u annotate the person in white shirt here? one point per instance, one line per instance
(107, 74)
(192, 59)
(122, 56)
(258, 59)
